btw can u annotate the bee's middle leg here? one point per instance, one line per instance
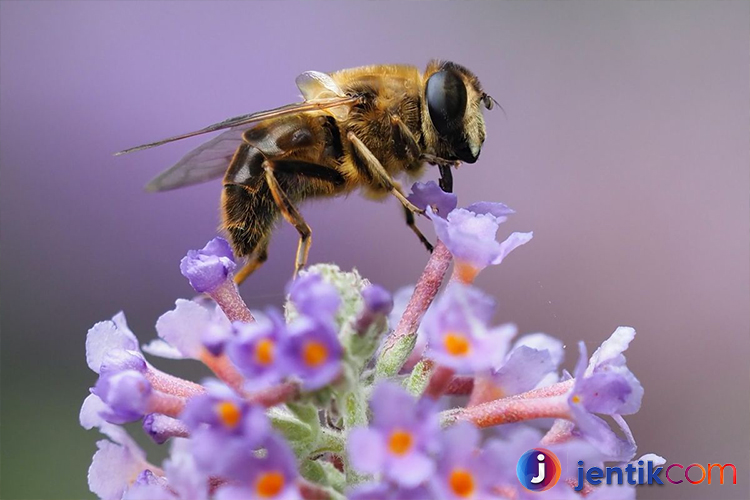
(292, 215)
(413, 226)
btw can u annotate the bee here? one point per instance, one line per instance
(357, 128)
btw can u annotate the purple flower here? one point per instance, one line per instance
(149, 486)
(457, 332)
(190, 326)
(116, 464)
(463, 472)
(257, 349)
(313, 352)
(429, 194)
(225, 431)
(605, 385)
(388, 491)
(126, 394)
(221, 410)
(470, 236)
(272, 477)
(377, 299)
(209, 267)
(400, 439)
(312, 296)
(608, 358)
(109, 337)
(528, 367)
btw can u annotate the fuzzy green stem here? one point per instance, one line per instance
(419, 378)
(329, 441)
(355, 415)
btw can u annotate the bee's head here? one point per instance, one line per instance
(454, 101)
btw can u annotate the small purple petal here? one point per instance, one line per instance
(512, 242)
(610, 352)
(523, 370)
(495, 209)
(162, 349)
(126, 395)
(377, 299)
(209, 267)
(412, 470)
(541, 342)
(120, 360)
(107, 336)
(185, 326)
(366, 450)
(429, 194)
(312, 296)
(112, 469)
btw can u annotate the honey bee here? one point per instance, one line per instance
(356, 128)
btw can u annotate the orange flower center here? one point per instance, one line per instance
(465, 272)
(461, 482)
(315, 353)
(264, 351)
(400, 442)
(228, 413)
(269, 484)
(576, 399)
(456, 344)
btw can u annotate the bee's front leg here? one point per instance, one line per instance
(379, 173)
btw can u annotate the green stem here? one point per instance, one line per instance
(419, 378)
(355, 415)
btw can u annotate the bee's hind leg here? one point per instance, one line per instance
(254, 262)
(413, 226)
(292, 215)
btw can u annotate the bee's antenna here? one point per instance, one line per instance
(494, 101)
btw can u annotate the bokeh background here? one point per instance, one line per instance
(625, 149)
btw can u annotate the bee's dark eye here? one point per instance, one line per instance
(446, 101)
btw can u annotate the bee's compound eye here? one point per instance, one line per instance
(446, 101)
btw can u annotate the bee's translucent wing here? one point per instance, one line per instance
(317, 85)
(206, 162)
(309, 105)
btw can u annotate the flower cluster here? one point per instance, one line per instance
(348, 393)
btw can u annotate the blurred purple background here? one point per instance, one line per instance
(625, 149)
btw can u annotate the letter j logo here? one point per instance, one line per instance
(538, 469)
